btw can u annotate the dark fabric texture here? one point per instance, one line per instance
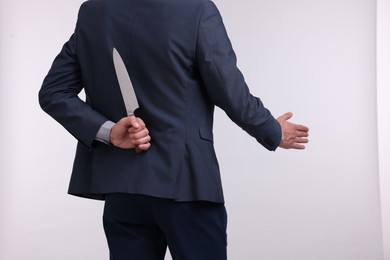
(182, 64)
(141, 227)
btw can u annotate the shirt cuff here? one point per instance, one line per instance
(103, 135)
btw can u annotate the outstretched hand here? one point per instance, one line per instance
(130, 133)
(294, 136)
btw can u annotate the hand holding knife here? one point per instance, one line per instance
(128, 126)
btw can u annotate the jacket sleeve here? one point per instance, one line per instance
(226, 85)
(58, 96)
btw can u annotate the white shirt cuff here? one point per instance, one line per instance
(103, 135)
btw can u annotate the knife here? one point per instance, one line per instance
(127, 89)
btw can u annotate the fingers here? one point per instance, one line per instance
(140, 138)
(136, 133)
(302, 134)
(301, 140)
(295, 139)
(293, 145)
(295, 136)
(287, 116)
(144, 147)
(133, 122)
(136, 125)
(298, 146)
(302, 128)
(130, 132)
(140, 135)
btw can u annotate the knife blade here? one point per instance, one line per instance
(127, 88)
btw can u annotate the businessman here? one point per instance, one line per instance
(156, 170)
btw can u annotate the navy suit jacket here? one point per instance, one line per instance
(182, 64)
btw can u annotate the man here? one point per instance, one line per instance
(165, 190)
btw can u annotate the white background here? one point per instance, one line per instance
(383, 80)
(316, 58)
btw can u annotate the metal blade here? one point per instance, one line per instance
(127, 89)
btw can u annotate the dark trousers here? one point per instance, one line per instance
(140, 227)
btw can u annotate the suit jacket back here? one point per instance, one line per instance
(181, 63)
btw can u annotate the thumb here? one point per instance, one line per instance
(286, 116)
(133, 121)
